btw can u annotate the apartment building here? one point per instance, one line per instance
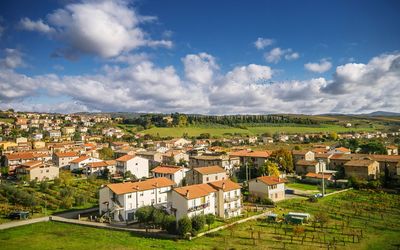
(175, 173)
(268, 187)
(63, 159)
(205, 175)
(138, 166)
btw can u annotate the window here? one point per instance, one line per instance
(159, 199)
(152, 201)
(129, 196)
(47, 171)
(141, 194)
(216, 177)
(207, 179)
(276, 196)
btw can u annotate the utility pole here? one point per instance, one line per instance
(323, 179)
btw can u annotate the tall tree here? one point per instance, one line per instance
(284, 159)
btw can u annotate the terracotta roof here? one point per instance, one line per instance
(300, 152)
(343, 149)
(25, 155)
(306, 163)
(195, 191)
(388, 158)
(66, 154)
(319, 176)
(210, 170)
(125, 158)
(111, 162)
(391, 147)
(320, 150)
(359, 163)
(271, 180)
(80, 159)
(31, 163)
(98, 164)
(132, 187)
(246, 153)
(225, 185)
(164, 169)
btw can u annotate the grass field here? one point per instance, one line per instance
(6, 120)
(220, 131)
(376, 215)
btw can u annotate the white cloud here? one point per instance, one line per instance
(261, 43)
(38, 25)
(145, 87)
(319, 67)
(104, 28)
(276, 54)
(200, 68)
(13, 59)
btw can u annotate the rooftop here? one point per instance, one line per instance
(195, 191)
(210, 170)
(132, 187)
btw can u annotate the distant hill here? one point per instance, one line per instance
(383, 113)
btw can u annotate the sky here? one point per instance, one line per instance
(206, 57)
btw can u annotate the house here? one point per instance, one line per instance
(228, 194)
(62, 159)
(36, 170)
(392, 150)
(121, 200)
(340, 150)
(14, 159)
(194, 200)
(316, 178)
(175, 173)
(174, 156)
(68, 130)
(54, 133)
(267, 140)
(154, 157)
(100, 167)
(268, 187)
(302, 167)
(307, 155)
(256, 158)
(205, 175)
(363, 169)
(227, 162)
(80, 162)
(138, 166)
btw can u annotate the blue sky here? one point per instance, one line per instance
(200, 56)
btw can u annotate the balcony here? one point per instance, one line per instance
(232, 210)
(231, 199)
(199, 207)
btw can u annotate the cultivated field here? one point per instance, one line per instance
(221, 131)
(356, 220)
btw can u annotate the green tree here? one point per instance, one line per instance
(184, 226)
(272, 168)
(169, 224)
(143, 214)
(333, 135)
(284, 159)
(77, 136)
(198, 222)
(106, 153)
(373, 147)
(210, 219)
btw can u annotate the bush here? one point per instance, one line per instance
(44, 186)
(198, 222)
(267, 201)
(144, 214)
(169, 224)
(313, 199)
(210, 219)
(184, 226)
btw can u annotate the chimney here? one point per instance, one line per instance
(187, 193)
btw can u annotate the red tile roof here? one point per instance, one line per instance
(271, 180)
(132, 187)
(125, 158)
(246, 153)
(164, 169)
(210, 170)
(225, 185)
(195, 191)
(66, 154)
(80, 159)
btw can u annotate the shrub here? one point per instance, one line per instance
(198, 222)
(184, 226)
(157, 216)
(210, 219)
(169, 224)
(144, 214)
(267, 201)
(313, 199)
(44, 186)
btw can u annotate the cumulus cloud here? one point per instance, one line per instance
(200, 68)
(39, 25)
(13, 59)
(203, 88)
(104, 28)
(276, 54)
(261, 43)
(318, 67)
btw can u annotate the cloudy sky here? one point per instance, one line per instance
(209, 57)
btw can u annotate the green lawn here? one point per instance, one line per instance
(376, 214)
(220, 131)
(7, 120)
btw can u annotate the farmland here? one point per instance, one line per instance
(370, 219)
(220, 131)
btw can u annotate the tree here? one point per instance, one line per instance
(272, 168)
(198, 222)
(128, 175)
(143, 214)
(44, 186)
(66, 178)
(210, 219)
(169, 224)
(333, 135)
(77, 136)
(321, 218)
(284, 159)
(184, 226)
(106, 153)
(373, 147)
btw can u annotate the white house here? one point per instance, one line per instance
(138, 166)
(80, 162)
(121, 200)
(100, 167)
(340, 150)
(63, 159)
(268, 187)
(229, 202)
(194, 200)
(175, 173)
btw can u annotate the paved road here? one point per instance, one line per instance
(22, 222)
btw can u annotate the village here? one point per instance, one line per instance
(177, 186)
